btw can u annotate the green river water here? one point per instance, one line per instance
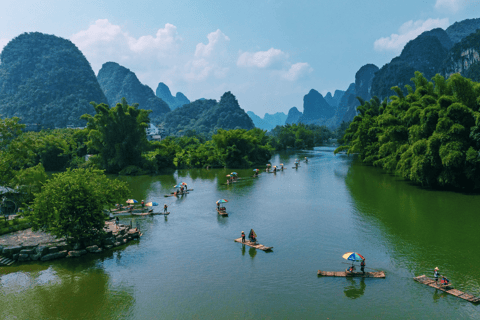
(187, 265)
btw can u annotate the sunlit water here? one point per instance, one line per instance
(188, 266)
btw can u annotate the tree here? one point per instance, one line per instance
(118, 135)
(71, 204)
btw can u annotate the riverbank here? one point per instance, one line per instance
(27, 245)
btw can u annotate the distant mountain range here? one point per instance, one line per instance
(118, 82)
(163, 92)
(269, 121)
(45, 80)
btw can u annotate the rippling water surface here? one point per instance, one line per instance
(188, 266)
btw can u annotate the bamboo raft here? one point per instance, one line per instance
(222, 212)
(254, 245)
(151, 213)
(173, 194)
(132, 211)
(447, 288)
(379, 274)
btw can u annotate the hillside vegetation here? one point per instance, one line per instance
(430, 136)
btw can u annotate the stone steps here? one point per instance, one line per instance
(6, 261)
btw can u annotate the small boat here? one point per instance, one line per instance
(222, 211)
(254, 245)
(379, 274)
(447, 288)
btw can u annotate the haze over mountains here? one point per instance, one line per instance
(46, 80)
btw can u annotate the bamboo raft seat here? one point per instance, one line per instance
(254, 245)
(447, 288)
(222, 211)
(379, 274)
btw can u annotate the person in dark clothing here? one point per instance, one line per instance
(362, 266)
(252, 236)
(165, 208)
(243, 236)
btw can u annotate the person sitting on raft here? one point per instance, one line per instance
(445, 281)
(252, 236)
(350, 269)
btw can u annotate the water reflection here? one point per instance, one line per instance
(243, 249)
(252, 252)
(67, 290)
(222, 220)
(354, 290)
(424, 228)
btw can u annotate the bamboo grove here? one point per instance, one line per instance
(430, 136)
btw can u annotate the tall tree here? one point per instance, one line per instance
(71, 204)
(118, 135)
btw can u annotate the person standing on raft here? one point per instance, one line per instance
(165, 208)
(243, 237)
(362, 266)
(436, 274)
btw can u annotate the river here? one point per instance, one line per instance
(187, 265)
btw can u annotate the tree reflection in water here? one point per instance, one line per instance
(252, 252)
(66, 290)
(354, 291)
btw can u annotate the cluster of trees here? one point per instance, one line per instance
(430, 136)
(299, 136)
(238, 148)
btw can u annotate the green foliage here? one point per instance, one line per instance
(46, 81)
(29, 181)
(299, 136)
(54, 149)
(118, 135)
(241, 148)
(205, 117)
(237, 148)
(431, 136)
(71, 204)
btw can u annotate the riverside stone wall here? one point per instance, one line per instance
(56, 249)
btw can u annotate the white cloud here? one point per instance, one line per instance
(296, 71)
(408, 31)
(450, 5)
(262, 59)
(210, 59)
(216, 42)
(104, 41)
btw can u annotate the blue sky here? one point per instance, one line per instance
(269, 54)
